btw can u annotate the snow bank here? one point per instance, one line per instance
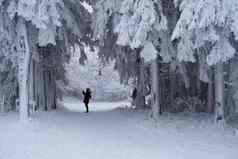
(111, 133)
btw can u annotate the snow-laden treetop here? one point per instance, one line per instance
(139, 17)
(133, 22)
(207, 22)
(40, 13)
(48, 15)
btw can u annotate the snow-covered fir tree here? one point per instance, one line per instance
(39, 24)
(208, 24)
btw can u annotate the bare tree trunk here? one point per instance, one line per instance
(40, 87)
(45, 91)
(155, 89)
(172, 86)
(210, 97)
(140, 98)
(55, 97)
(37, 75)
(54, 94)
(219, 92)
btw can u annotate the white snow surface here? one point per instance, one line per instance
(113, 131)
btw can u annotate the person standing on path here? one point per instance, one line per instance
(87, 96)
(133, 96)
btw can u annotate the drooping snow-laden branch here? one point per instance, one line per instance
(205, 22)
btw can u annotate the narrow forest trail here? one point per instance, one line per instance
(110, 132)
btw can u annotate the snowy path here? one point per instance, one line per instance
(112, 133)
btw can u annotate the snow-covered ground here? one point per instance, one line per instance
(112, 131)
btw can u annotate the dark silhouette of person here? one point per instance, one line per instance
(87, 96)
(134, 95)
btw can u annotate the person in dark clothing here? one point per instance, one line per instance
(87, 96)
(133, 96)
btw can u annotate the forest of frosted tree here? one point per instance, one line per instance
(181, 55)
(118, 79)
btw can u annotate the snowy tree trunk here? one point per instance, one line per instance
(219, 95)
(33, 82)
(2, 109)
(23, 62)
(155, 89)
(31, 85)
(183, 72)
(39, 86)
(140, 99)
